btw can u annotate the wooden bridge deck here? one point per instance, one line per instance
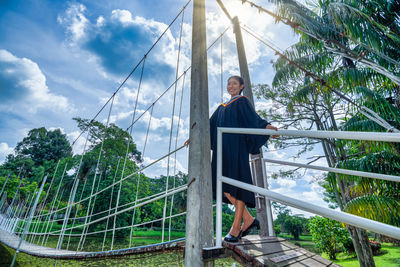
(250, 251)
(254, 250)
(12, 240)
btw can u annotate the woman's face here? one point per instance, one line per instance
(233, 87)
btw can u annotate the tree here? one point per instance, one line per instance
(111, 155)
(294, 224)
(42, 145)
(331, 39)
(37, 154)
(328, 235)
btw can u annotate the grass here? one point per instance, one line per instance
(140, 237)
(174, 258)
(389, 258)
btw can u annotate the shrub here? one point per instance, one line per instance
(328, 235)
(348, 245)
(277, 229)
(376, 247)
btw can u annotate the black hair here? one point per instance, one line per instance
(239, 79)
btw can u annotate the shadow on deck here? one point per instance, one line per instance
(267, 251)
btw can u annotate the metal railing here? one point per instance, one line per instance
(344, 217)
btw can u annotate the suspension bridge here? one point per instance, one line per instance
(26, 225)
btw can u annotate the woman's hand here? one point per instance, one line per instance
(270, 127)
(187, 143)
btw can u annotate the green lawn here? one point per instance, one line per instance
(390, 258)
(175, 258)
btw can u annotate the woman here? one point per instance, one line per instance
(237, 113)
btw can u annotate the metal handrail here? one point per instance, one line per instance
(380, 176)
(344, 217)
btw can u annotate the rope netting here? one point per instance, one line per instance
(66, 219)
(70, 218)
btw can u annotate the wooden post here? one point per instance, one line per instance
(258, 173)
(199, 217)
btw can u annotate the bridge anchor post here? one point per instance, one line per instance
(263, 205)
(199, 217)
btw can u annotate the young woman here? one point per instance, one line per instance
(238, 113)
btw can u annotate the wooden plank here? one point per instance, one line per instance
(289, 262)
(322, 260)
(12, 240)
(308, 262)
(263, 248)
(264, 238)
(214, 253)
(266, 259)
(272, 251)
(286, 257)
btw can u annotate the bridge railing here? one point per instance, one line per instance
(344, 217)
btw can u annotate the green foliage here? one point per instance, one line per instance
(42, 145)
(37, 154)
(378, 208)
(26, 189)
(328, 235)
(102, 164)
(293, 224)
(277, 229)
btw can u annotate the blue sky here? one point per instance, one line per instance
(63, 59)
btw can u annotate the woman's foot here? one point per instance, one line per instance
(234, 235)
(235, 231)
(233, 239)
(247, 229)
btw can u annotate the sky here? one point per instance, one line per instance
(65, 59)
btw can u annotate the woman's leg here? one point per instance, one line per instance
(237, 222)
(243, 214)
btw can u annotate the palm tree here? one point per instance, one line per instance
(333, 60)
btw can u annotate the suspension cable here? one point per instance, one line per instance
(134, 69)
(367, 112)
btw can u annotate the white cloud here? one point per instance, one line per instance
(79, 145)
(119, 40)
(286, 183)
(4, 151)
(57, 128)
(25, 89)
(263, 105)
(161, 167)
(76, 21)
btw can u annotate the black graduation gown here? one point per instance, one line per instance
(239, 113)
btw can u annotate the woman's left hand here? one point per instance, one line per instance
(270, 127)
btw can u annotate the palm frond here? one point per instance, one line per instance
(378, 208)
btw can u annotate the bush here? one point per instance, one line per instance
(277, 229)
(348, 245)
(387, 239)
(376, 247)
(328, 235)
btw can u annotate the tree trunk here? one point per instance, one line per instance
(359, 236)
(361, 245)
(366, 248)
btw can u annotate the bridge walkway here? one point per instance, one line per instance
(12, 240)
(254, 250)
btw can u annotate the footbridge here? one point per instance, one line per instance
(63, 213)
